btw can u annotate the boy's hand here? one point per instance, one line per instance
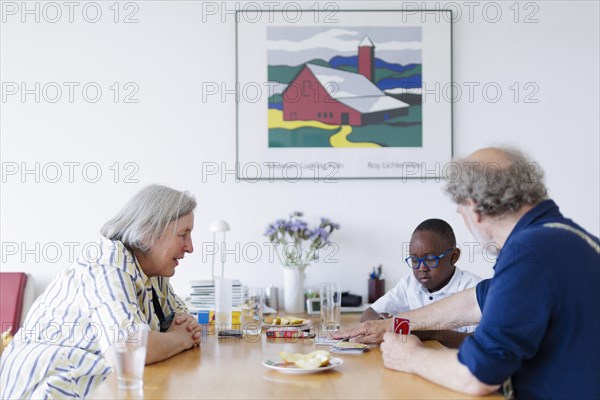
(369, 332)
(398, 351)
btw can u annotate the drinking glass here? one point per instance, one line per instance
(331, 303)
(130, 355)
(252, 310)
(223, 303)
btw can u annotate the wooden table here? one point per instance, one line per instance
(232, 369)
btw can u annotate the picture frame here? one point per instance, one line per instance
(313, 306)
(344, 95)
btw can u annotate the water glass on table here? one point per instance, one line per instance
(252, 310)
(331, 304)
(130, 359)
(223, 303)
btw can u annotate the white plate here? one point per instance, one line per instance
(289, 368)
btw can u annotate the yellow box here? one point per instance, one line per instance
(236, 317)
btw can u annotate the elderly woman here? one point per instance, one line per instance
(60, 349)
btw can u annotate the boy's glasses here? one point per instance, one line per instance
(430, 261)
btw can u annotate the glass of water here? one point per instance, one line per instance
(223, 303)
(331, 303)
(130, 357)
(252, 310)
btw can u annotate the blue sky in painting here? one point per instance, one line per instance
(296, 45)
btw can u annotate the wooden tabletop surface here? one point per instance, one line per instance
(232, 369)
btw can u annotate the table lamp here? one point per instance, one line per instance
(218, 226)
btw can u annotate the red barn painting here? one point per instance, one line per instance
(338, 97)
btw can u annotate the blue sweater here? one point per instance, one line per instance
(540, 312)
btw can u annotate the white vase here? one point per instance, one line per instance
(293, 288)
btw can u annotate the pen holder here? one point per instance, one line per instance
(376, 289)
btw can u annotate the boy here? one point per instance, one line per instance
(433, 255)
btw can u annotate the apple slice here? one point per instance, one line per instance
(294, 320)
(291, 358)
(319, 353)
(309, 363)
(314, 360)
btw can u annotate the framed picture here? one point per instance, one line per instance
(344, 94)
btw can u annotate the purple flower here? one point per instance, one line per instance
(275, 226)
(321, 234)
(270, 230)
(296, 231)
(296, 226)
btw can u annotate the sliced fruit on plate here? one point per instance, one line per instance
(284, 321)
(291, 358)
(315, 359)
(294, 320)
(316, 353)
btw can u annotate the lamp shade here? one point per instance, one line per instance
(219, 226)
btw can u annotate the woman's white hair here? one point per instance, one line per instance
(146, 215)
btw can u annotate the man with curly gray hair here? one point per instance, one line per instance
(498, 187)
(535, 315)
(500, 184)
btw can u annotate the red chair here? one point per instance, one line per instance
(16, 296)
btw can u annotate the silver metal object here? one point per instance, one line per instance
(272, 297)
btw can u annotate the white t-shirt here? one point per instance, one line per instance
(409, 294)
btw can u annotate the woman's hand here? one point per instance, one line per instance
(183, 323)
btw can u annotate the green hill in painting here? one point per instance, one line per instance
(285, 74)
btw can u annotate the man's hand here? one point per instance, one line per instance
(369, 332)
(398, 351)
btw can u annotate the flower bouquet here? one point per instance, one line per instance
(299, 246)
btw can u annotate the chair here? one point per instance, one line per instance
(16, 296)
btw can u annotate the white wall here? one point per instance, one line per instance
(171, 133)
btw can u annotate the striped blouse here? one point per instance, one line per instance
(59, 350)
